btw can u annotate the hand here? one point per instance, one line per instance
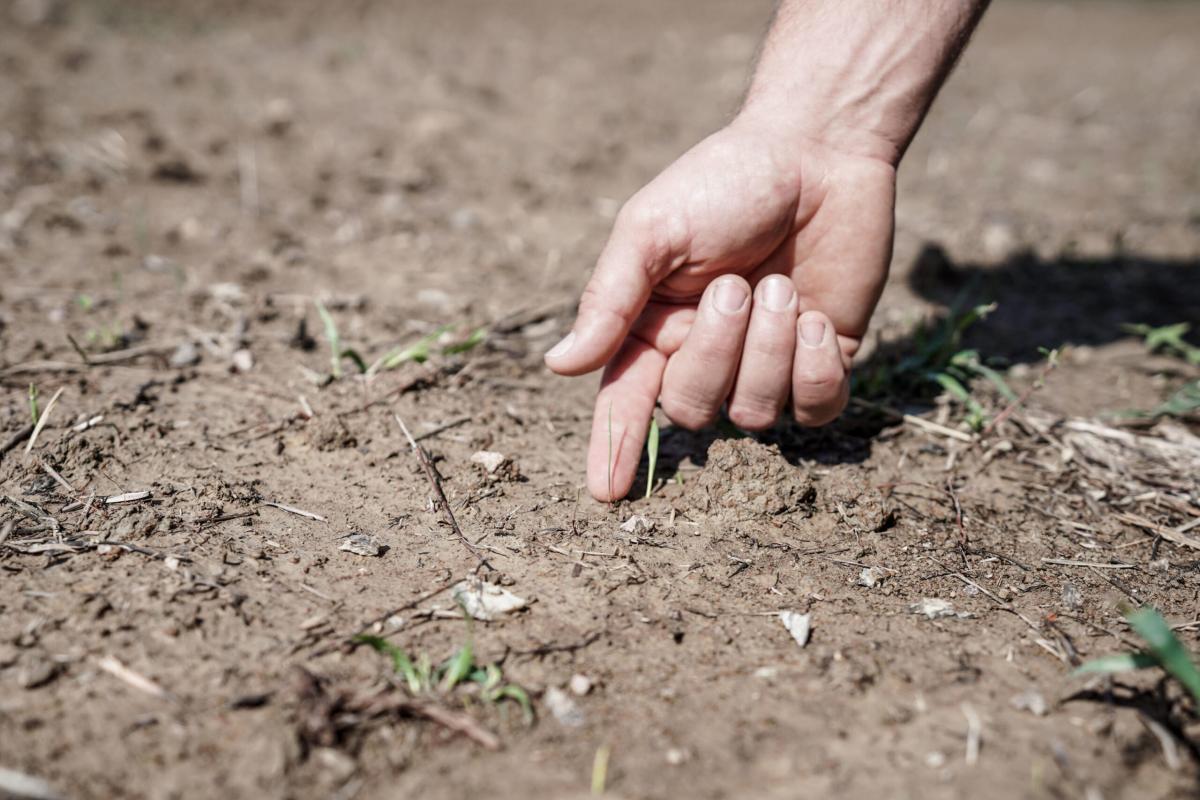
(745, 273)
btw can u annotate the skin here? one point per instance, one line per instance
(746, 273)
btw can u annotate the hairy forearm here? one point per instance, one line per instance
(858, 75)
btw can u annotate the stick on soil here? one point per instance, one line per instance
(440, 495)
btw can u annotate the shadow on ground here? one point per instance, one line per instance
(1039, 304)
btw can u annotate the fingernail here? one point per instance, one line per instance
(562, 347)
(730, 297)
(812, 332)
(778, 294)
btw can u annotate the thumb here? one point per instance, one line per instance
(615, 295)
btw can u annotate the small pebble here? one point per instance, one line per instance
(637, 525)
(361, 545)
(580, 684)
(489, 460)
(563, 708)
(185, 355)
(242, 361)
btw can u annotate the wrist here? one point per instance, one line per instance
(857, 79)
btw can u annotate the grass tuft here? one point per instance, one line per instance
(422, 679)
(939, 362)
(1163, 650)
(336, 351)
(1168, 339)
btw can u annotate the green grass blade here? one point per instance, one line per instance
(996, 380)
(356, 358)
(331, 336)
(477, 336)
(610, 453)
(34, 413)
(1165, 646)
(417, 352)
(600, 770)
(1184, 402)
(514, 692)
(952, 385)
(424, 671)
(459, 667)
(400, 660)
(652, 451)
(1120, 662)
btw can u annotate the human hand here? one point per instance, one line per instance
(745, 273)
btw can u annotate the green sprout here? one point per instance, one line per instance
(477, 336)
(652, 452)
(600, 770)
(336, 351)
(422, 679)
(421, 350)
(1163, 650)
(34, 413)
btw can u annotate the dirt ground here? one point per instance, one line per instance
(179, 183)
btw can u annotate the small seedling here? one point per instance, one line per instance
(422, 679)
(477, 336)
(1163, 650)
(1185, 401)
(336, 351)
(1169, 339)
(600, 770)
(420, 351)
(652, 452)
(939, 360)
(34, 413)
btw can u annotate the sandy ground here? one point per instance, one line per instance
(179, 185)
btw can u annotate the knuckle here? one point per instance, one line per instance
(686, 414)
(658, 229)
(773, 349)
(641, 215)
(753, 416)
(820, 412)
(820, 379)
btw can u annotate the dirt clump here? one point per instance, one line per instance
(752, 477)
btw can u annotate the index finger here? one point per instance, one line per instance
(624, 405)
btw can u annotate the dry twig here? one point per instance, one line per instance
(440, 495)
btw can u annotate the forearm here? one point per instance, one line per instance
(858, 76)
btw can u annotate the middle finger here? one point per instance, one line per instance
(698, 377)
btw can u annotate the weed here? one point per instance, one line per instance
(652, 452)
(939, 361)
(1169, 339)
(1163, 649)
(1185, 401)
(422, 679)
